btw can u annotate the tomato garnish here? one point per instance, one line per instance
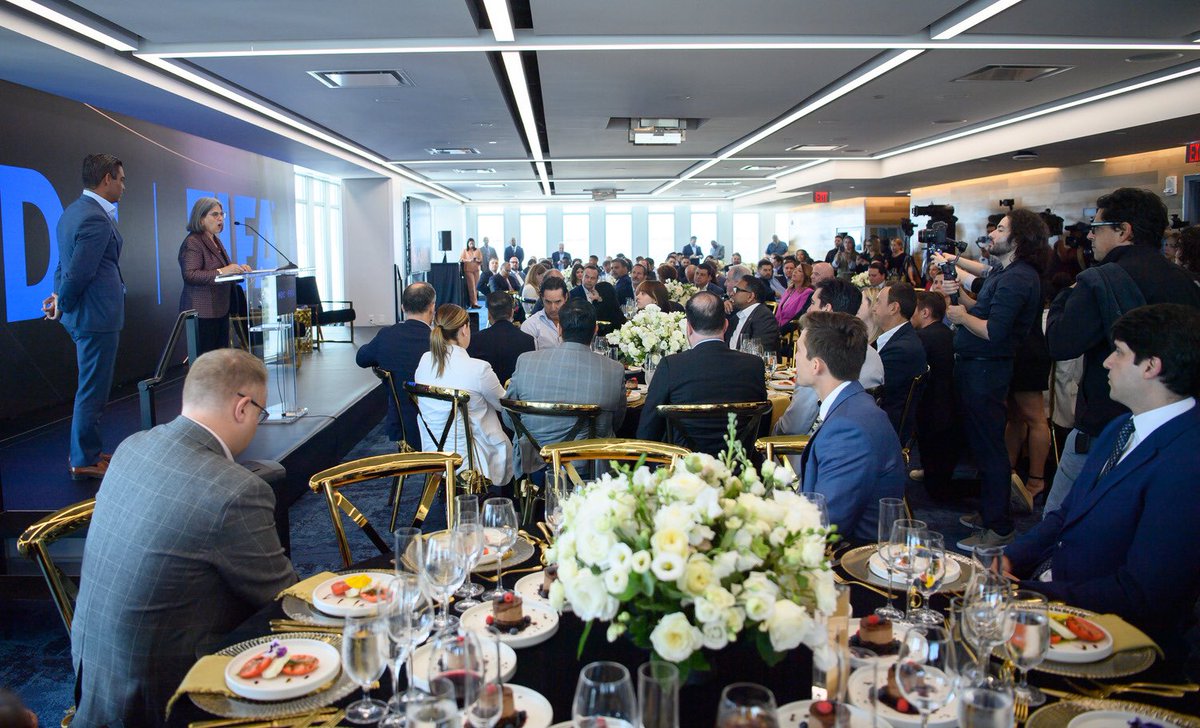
(255, 666)
(298, 665)
(339, 588)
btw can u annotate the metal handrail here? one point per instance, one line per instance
(191, 320)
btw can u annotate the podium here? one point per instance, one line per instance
(269, 335)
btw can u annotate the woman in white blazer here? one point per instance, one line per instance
(447, 364)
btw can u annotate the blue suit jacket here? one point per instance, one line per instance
(854, 459)
(398, 348)
(903, 360)
(88, 281)
(1127, 543)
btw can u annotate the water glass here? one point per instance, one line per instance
(445, 569)
(485, 712)
(902, 549)
(435, 708)
(650, 366)
(747, 704)
(890, 511)
(466, 511)
(929, 570)
(410, 620)
(604, 697)
(408, 554)
(556, 495)
(364, 657)
(1029, 613)
(926, 670)
(499, 535)
(986, 703)
(658, 695)
(985, 616)
(822, 506)
(458, 657)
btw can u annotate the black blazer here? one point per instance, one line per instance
(903, 360)
(398, 349)
(624, 288)
(708, 373)
(499, 345)
(607, 309)
(937, 410)
(761, 327)
(485, 279)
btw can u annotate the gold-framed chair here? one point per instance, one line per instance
(780, 446)
(402, 445)
(908, 428)
(584, 416)
(436, 466)
(472, 479)
(749, 416)
(34, 543)
(562, 455)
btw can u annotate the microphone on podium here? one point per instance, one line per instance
(250, 227)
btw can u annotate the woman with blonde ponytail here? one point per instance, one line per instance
(447, 364)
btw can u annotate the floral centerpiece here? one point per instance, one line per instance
(692, 558)
(861, 280)
(651, 331)
(678, 292)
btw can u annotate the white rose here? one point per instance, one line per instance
(670, 540)
(557, 595)
(707, 612)
(714, 636)
(724, 564)
(640, 562)
(674, 638)
(616, 581)
(788, 625)
(822, 584)
(589, 599)
(760, 583)
(697, 576)
(593, 547)
(667, 566)
(758, 606)
(619, 556)
(735, 619)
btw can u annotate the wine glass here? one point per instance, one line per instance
(926, 669)
(445, 569)
(604, 697)
(890, 511)
(985, 615)
(985, 703)
(902, 549)
(1029, 613)
(458, 657)
(770, 359)
(364, 657)
(746, 704)
(556, 494)
(658, 695)
(417, 629)
(489, 704)
(822, 506)
(466, 516)
(435, 708)
(499, 535)
(402, 594)
(928, 573)
(987, 559)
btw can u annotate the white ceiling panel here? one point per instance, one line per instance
(1163, 19)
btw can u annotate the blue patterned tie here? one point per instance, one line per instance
(1123, 438)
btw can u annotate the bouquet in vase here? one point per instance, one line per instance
(695, 557)
(651, 332)
(678, 292)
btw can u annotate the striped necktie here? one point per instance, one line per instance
(1123, 438)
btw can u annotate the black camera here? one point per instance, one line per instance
(934, 237)
(1054, 223)
(1076, 236)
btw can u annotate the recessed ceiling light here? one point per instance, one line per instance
(362, 79)
(761, 167)
(491, 142)
(1025, 155)
(485, 124)
(851, 186)
(816, 147)
(903, 192)
(1153, 57)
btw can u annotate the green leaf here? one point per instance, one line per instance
(587, 630)
(762, 641)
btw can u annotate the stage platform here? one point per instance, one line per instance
(344, 402)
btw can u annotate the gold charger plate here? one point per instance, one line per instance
(518, 554)
(1060, 714)
(855, 561)
(305, 612)
(1118, 664)
(233, 707)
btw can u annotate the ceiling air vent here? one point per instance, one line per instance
(1012, 72)
(451, 151)
(362, 79)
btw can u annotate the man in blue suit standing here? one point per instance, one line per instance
(1124, 539)
(89, 298)
(853, 457)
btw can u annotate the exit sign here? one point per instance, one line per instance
(1193, 152)
(823, 195)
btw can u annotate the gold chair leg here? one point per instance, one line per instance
(333, 500)
(397, 491)
(432, 481)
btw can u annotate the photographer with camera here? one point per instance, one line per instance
(1129, 272)
(989, 332)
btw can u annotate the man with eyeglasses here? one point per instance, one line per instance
(750, 320)
(182, 547)
(1129, 272)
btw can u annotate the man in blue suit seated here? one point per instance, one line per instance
(1125, 539)
(853, 457)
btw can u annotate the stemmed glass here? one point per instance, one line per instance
(1029, 613)
(929, 569)
(364, 657)
(409, 621)
(500, 535)
(467, 519)
(555, 496)
(604, 697)
(746, 704)
(435, 708)
(926, 670)
(458, 657)
(902, 550)
(658, 695)
(985, 703)
(445, 569)
(890, 511)
(985, 616)
(489, 703)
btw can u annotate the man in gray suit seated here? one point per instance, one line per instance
(571, 373)
(182, 547)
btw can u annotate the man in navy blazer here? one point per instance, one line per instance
(398, 349)
(900, 348)
(1125, 539)
(622, 283)
(501, 343)
(89, 298)
(853, 457)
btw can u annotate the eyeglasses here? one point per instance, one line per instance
(1092, 226)
(263, 414)
(740, 290)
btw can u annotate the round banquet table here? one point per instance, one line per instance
(552, 669)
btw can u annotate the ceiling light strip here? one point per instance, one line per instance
(500, 18)
(824, 99)
(515, 71)
(1043, 112)
(799, 168)
(76, 25)
(968, 17)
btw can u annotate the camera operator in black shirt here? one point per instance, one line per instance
(989, 331)
(1129, 272)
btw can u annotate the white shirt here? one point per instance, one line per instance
(224, 447)
(1146, 423)
(886, 336)
(737, 333)
(543, 331)
(109, 208)
(827, 403)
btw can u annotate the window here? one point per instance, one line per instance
(533, 233)
(704, 227)
(745, 237)
(576, 234)
(618, 234)
(783, 226)
(490, 226)
(661, 235)
(319, 231)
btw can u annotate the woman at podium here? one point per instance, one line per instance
(202, 258)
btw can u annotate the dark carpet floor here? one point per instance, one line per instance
(35, 653)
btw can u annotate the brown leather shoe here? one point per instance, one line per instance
(106, 456)
(96, 471)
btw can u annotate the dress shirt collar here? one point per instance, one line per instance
(745, 312)
(1146, 423)
(827, 403)
(109, 208)
(886, 336)
(705, 341)
(209, 430)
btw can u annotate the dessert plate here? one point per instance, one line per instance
(879, 569)
(508, 661)
(795, 715)
(884, 661)
(527, 586)
(342, 605)
(859, 693)
(542, 626)
(1114, 719)
(283, 687)
(538, 711)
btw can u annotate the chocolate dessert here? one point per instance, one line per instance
(826, 713)
(510, 717)
(875, 634)
(549, 576)
(507, 613)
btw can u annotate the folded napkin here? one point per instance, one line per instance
(1125, 635)
(207, 677)
(303, 590)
